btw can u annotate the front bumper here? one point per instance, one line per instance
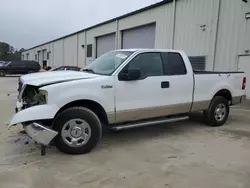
(35, 113)
(40, 133)
(30, 117)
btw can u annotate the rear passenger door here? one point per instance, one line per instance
(179, 96)
(15, 67)
(25, 67)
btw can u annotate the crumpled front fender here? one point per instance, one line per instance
(35, 113)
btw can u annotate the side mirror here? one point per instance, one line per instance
(130, 75)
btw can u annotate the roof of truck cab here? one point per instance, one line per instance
(149, 49)
(127, 50)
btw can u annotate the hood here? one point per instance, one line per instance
(50, 77)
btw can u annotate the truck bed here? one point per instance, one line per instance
(208, 83)
(214, 72)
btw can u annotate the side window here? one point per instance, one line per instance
(173, 64)
(89, 50)
(150, 64)
(72, 68)
(59, 69)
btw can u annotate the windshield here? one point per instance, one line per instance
(108, 62)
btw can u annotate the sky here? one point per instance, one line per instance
(27, 23)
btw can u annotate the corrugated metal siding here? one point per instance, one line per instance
(245, 30)
(163, 16)
(70, 50)
(51, 51)
(195, 27)
(58, 53)
(229, 30)
(31, 54)
(81, 49)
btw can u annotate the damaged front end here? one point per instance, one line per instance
(40, 133)
(35, 114)
(30, 96)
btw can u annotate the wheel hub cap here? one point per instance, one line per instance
(76, 132)
(220, 112)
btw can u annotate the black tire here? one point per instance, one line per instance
(80, 113)
(209, 115)
(2, 73)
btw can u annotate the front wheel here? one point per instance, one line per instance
(218, 112)
(79, 130)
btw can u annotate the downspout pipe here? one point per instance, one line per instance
(174, 22)
(216, 33)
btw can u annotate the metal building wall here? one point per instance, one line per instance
(162, 16)
(58, 53)
(216, 29)
(195, 28)
(230, 43)
(70, 50)
(31, 55)
(245, 34)
(51, 53)
(81, 49)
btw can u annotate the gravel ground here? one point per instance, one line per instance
(186, 154)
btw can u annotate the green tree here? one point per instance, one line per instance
(8, 52)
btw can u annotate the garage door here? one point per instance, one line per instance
(244, 65)
(104, 44)
(140, 37)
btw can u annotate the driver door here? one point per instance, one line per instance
(162, 89)
(141, 98)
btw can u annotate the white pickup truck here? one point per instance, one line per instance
(121, 89)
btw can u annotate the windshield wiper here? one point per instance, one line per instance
(88, 70)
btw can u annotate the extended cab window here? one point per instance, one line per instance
(173, 64)
(150, 64)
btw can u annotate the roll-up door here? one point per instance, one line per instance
(104, 44)
(139, 37)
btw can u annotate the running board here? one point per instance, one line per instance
(148, 123)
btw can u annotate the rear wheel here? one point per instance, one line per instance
(218, 112)
(79, 130)
(2, 73)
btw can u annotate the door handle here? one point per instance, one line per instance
(165, 84)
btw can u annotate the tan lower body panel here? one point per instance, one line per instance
(200, 105)
(111, 117)
(237, 100)
(145, 113)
